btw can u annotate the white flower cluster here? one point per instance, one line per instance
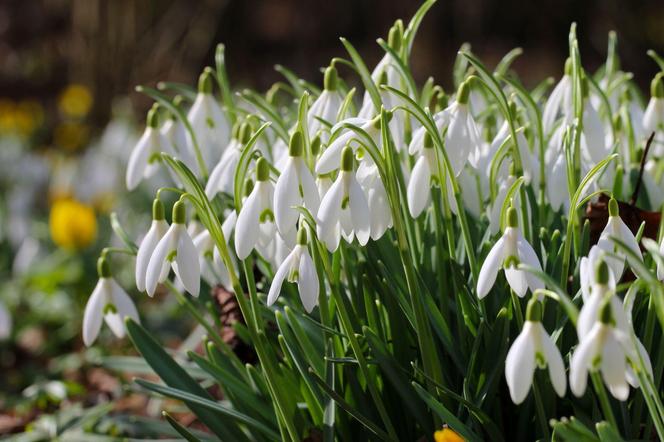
(322, 168)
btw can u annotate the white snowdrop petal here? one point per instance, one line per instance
(517, 280)
(490, 267)
(418, 192)
(146, 249)
(309, 189)
(247, 225)
(186, 265)
(5, 322)
(520, 365)
(613, 367)
(554, 362)
(158, 264)
(286, 195)
(359, 211)
(138, 160)
(307, 282)
(580, 362)
(329, 211)
(278, 280)
(528, 256)
(93, 315)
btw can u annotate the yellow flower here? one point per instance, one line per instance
(447, 435)
(73, 224)
(75, 101)
(70, 135)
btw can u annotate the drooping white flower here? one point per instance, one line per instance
(142, 161)
(462, 140)
(588, 271)
(380, 213)
(175, 249)
(255, 223)
(533, 348)
(297, 267)
(653, 118)
(175, 134)
(213, 269)
(344, 209)
(108, 302)
(602, 290)
(616, 228)
(157, 230)
(605, 348)
(560, 100)
(331, 157)
(222, 177)
(5, 322)
(420, 182)
(441, 119)
(509, 251)
(326, 107)
(295, 187)
(385, 72)
(208, 122)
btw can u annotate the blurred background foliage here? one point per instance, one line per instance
(67, 109)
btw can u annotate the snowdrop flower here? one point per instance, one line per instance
(344, 208)
(297, 267)
(156, 232)
(213, 270)
(560, 99)
(385, 72)
(255, 223)
(419, 184)
(144, 156)
(441, 119)
(108, 302)
(5, 322)
(327, 105)
(207, 121)
(331, 157)
(616, 228)
(533, 348)
(588, 271)
(175, 134)
(295, 187)
(175, 249)
(508, 252)
(653, 117)
(602, 291)
(380, 214)
(604, 348)
(222, 177)
(462, 140)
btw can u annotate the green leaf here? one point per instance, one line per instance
(122, 234)
(224, 84)
(446, 415)
(208, 404)
(179, 428)
(175, 376)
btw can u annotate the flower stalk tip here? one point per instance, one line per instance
(103, 268)
(205, 82)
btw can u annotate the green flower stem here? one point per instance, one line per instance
(248, 267)
(604, 400)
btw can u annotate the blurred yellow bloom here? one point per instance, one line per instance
(75, 101)
(22, 118)
(70, 135)
(73, 224)
(447, 435)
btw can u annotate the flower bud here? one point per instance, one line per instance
(331, 79)
(262, 170)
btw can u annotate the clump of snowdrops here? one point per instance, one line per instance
(406, 258)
